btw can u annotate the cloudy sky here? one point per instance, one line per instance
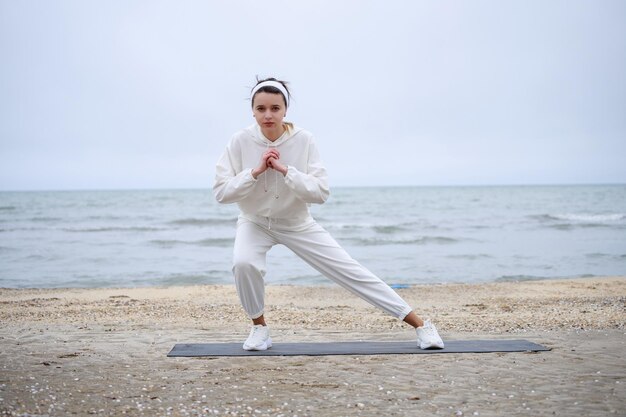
(145, 94)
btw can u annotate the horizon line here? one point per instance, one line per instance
(335, 186)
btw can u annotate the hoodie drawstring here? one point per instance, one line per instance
(275, 183)
(267, 147)
(269, 219)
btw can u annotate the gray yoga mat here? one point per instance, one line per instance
(354, 348)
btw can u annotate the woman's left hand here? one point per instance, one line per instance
(275, 164)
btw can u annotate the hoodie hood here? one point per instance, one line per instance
(258, 136)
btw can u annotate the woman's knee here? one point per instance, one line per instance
(244, 268)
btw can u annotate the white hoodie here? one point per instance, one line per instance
(271, 195)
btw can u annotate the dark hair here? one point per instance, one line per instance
(271, 90)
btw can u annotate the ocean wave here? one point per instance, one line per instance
(471, 257)
(211, 242)
(426, 240)
(46, 219)
(203, 222)
(302, 280)
(220, 242)
(597, 255)
(191, 278)
(112, 229)
(566, 221)
(609, 256)
(341, 226)
(182, 279)
(7, 208)
(378, 228)
(18, 229)
(389, 229)
(108, 217)
(513, 278)
(606, 218)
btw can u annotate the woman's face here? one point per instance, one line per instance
(269, 110)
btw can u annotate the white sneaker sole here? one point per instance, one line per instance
(264, 346)
(431, 346)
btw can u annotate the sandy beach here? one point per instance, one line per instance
(103, 352)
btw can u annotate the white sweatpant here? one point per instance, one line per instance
(315, 246)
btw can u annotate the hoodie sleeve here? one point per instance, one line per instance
(312, 186)
(232, 184)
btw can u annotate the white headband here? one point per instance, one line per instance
(274, 84)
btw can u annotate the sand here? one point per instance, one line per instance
(103, 352)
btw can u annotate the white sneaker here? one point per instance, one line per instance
(427, 337)
(259, 338)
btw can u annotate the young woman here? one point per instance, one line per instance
(273, 171)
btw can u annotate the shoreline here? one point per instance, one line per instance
(329, 283)
(103, 352)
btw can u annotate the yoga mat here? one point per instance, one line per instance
(354, 348)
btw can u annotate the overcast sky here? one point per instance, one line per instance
(146, 94)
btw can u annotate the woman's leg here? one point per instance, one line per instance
(322, 252)
(252, 243)
(317, 247)
(413, 320)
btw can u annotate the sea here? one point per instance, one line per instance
(405, 235)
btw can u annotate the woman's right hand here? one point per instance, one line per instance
(263, 164)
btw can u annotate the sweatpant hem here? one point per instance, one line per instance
(405, 313)
(256, 316)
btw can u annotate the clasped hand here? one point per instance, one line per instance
(270, 159)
